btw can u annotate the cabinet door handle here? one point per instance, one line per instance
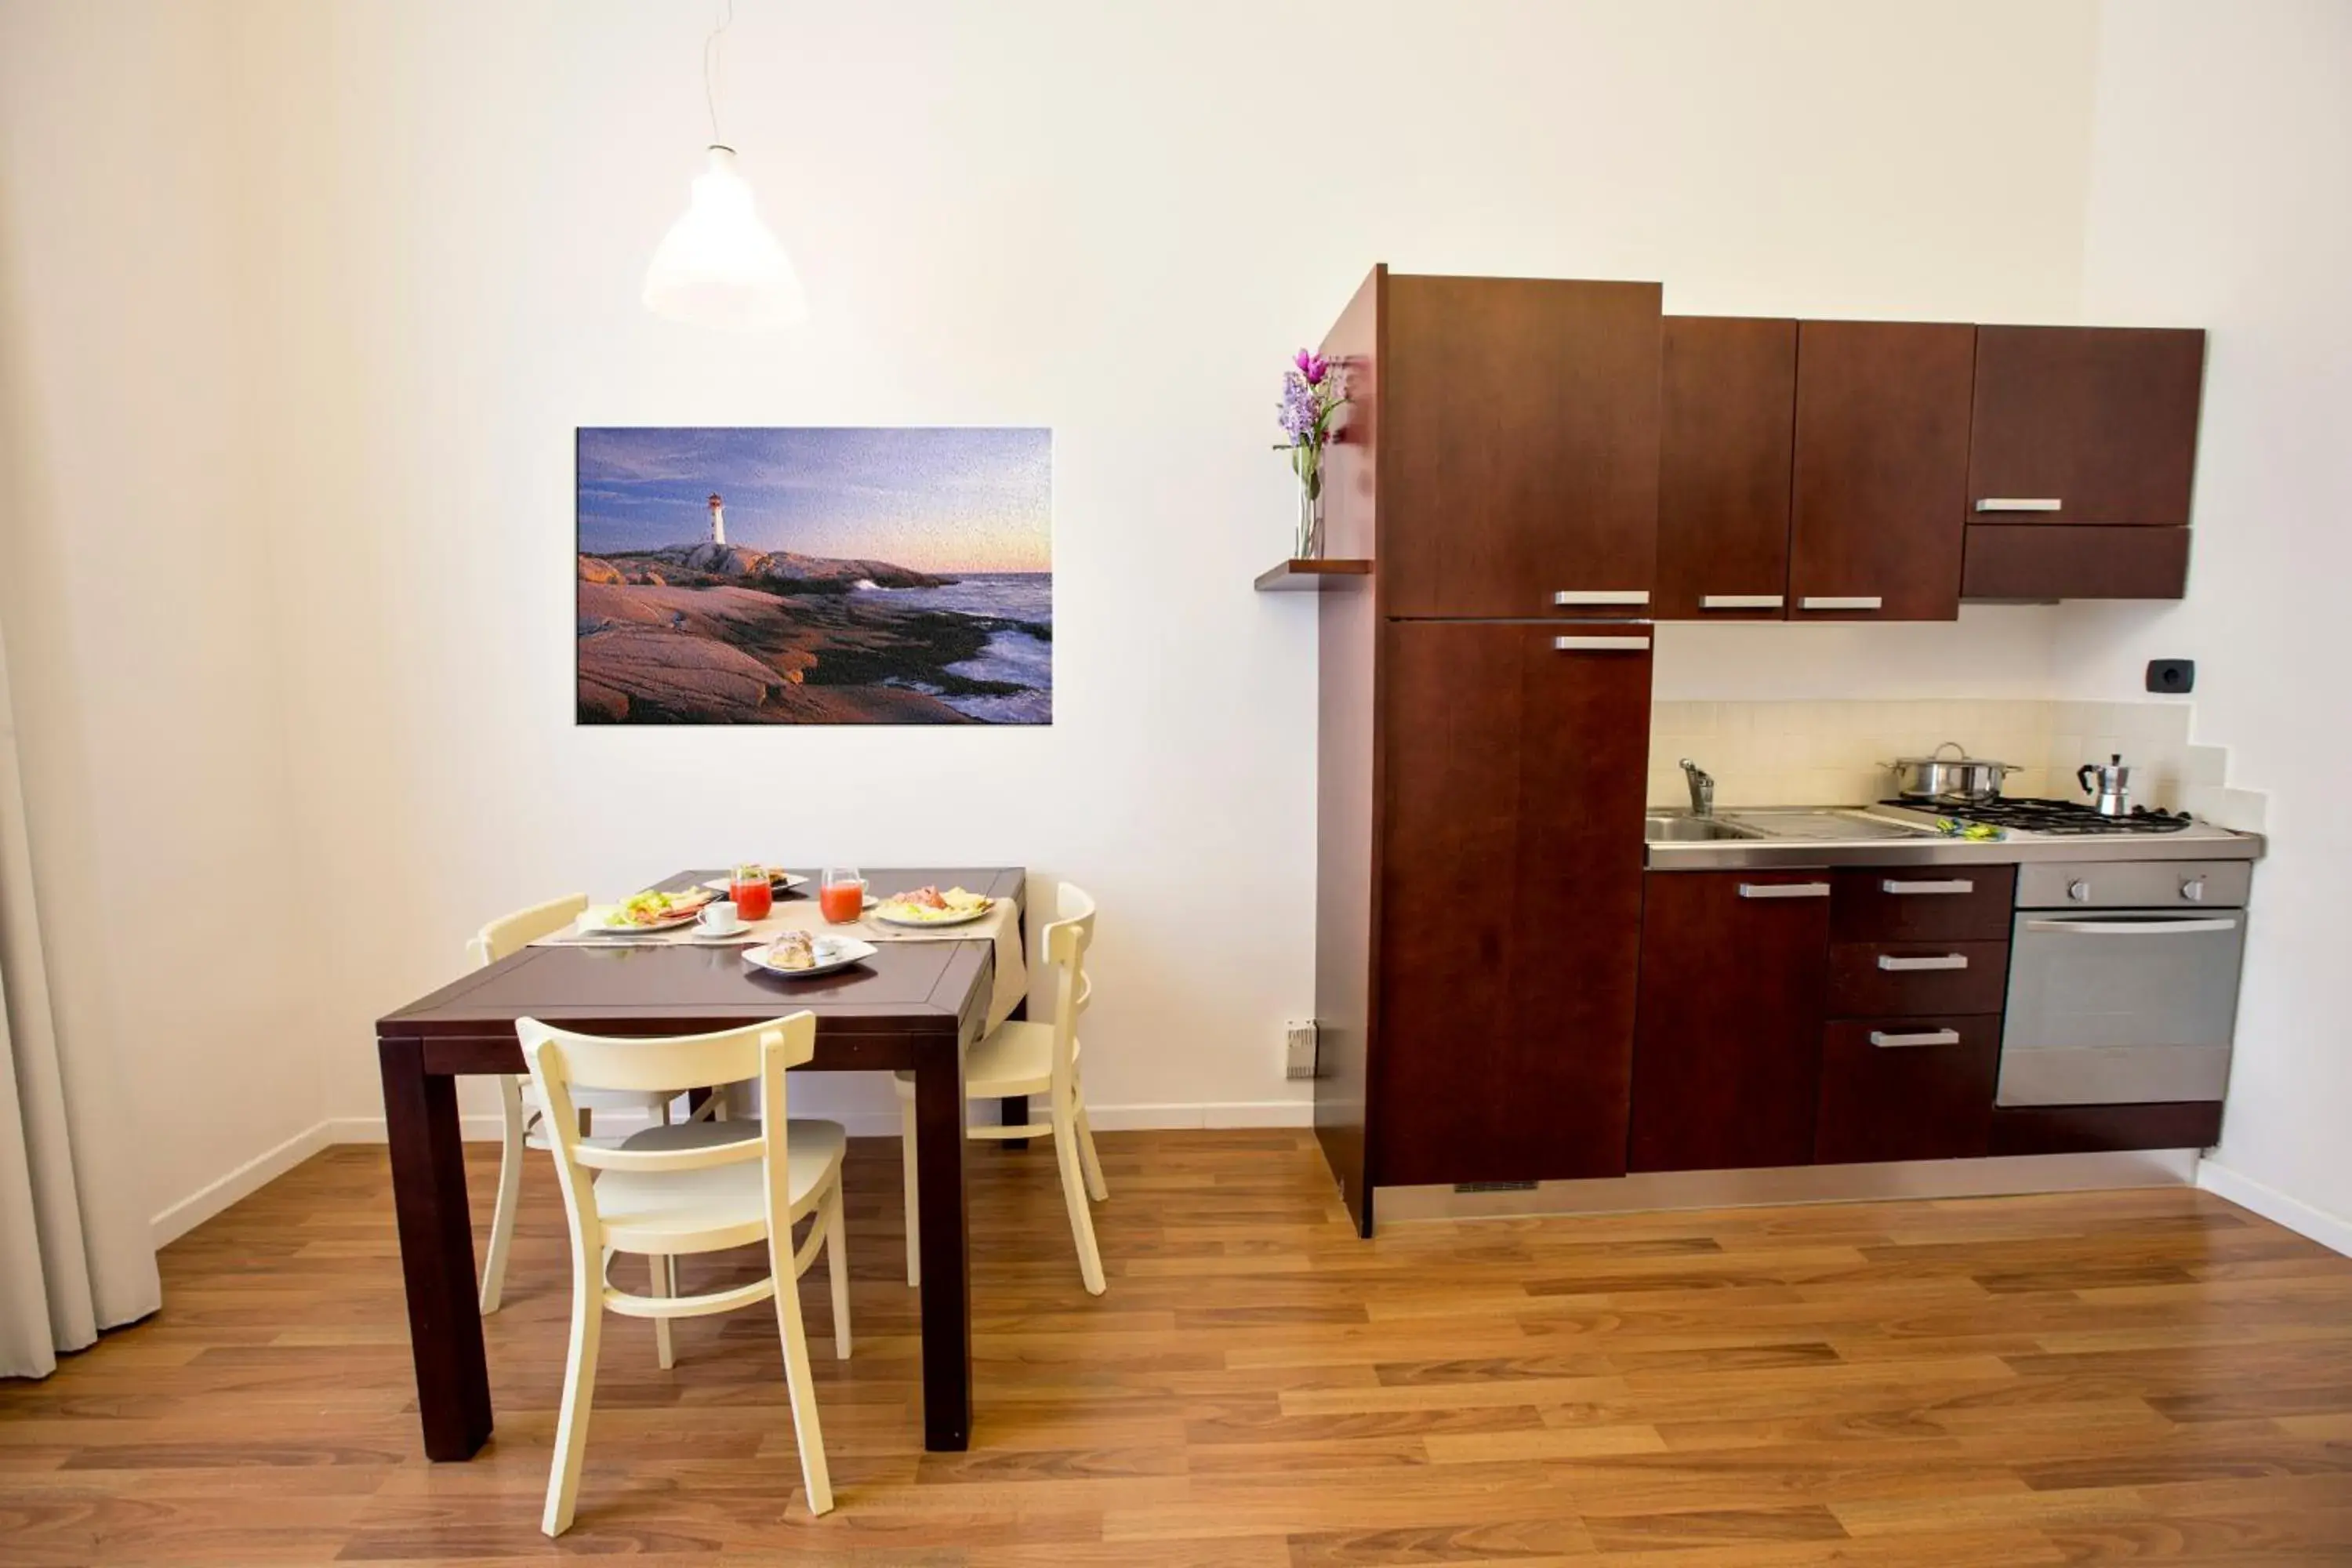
(2017, 503)
(1601, 596)
(1742, 601)
(1887, 961)
(1600, 645)
(1956, 885)
(1840, 602)
(1784, 889)
(1923, 1037)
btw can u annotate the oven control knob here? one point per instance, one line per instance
(2193, 888)
(2080, 892)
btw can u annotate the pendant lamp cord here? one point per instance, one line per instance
(711, 67)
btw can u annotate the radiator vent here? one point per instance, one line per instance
(1494, 1186)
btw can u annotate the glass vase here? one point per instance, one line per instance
(1306, 538)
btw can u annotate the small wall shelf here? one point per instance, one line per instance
(1310, 577)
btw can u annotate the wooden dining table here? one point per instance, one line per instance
(914, 1004)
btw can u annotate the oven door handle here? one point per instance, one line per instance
(2131, 928)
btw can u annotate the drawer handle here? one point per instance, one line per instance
(1887, 961)
(1840, 602)
(1600, 645)
(1924, 1037)
(1956, 885)
(2017, 503)
(1742, 601)
(1601, 596)
(1784, 889)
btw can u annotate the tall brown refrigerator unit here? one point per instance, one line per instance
(1484, 730)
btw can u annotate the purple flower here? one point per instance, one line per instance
(1298, 409)
(1313, 366)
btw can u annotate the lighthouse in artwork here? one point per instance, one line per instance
(717, 520)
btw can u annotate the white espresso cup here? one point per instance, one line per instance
(719, 917)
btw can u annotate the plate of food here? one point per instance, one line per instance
(779, 880)
(799, 955)
(930, 907)
(652, 910)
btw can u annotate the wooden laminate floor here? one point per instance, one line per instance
(2150, 1374)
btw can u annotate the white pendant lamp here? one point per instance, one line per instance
(719, 266)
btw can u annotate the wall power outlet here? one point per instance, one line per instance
(1298, 1049)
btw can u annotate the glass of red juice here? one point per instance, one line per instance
(841, 895)
(751, 892)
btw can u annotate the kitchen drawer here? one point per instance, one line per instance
(1906, 1089)
(1915, 979)
(1927, 903)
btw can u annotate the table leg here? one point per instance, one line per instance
(939, 1144)
(437, 1251)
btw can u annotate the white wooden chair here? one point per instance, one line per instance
(1023, 1059)
(668, 1191)
(520, 1109)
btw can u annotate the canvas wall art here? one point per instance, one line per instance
(814, 576)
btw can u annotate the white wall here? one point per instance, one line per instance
(138, 587)
(1112, 220)
(2222, 158)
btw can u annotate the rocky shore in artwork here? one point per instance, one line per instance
(714, 634)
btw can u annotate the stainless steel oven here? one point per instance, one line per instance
(2123, 980)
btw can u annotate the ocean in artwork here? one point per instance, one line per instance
(814, 576)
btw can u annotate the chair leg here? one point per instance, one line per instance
(502, 1217)
(665, 1277)
(1096, 1188)
(907, 1163)
(579, 1391)
(1074, 1196)
(798, 1379)
(836, 1269)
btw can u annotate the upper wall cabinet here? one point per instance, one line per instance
(1726, 437)
(1882, 466)
(1518, 448)
(2084, 443)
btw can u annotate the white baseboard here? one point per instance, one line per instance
(2331, 1231)
(246, 1179)
(884, 1123)
(262, 1170)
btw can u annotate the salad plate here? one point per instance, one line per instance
(648, 911)
(930, 907)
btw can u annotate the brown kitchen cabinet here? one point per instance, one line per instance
(1519, 447)
(1881, 469)
(1728, 1034)
(1727, 438)
(1510, 900)
(1906, 1089)
(2081, 456)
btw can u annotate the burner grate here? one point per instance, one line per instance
(2052, 816)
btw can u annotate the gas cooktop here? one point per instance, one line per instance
(2053, 816)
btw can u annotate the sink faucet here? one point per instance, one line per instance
(1702, 788)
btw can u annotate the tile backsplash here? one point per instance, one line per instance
(1835, 752)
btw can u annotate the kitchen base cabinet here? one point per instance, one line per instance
(2100, 1129)
(1735, 968)
(1515, 763)
(1916, 980)
(1906, 1089)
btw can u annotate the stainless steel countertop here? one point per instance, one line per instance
(1807, 836)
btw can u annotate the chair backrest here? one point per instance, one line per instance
(1065, 941)
(511, 933)
(561, 1060)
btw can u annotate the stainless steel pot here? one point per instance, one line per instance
(1959, 777)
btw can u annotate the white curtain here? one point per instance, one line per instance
(76, 1255)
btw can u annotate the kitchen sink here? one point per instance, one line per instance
(1689, 829)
